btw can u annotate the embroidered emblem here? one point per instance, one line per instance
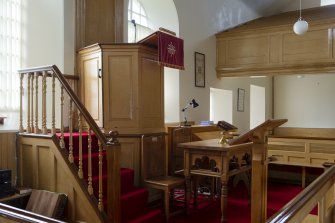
(171, 49)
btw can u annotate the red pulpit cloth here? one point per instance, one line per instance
(170, 51)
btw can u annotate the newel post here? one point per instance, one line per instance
(259, 174)
(113, 149)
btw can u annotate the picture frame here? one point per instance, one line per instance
(199, 68)
(240, 99)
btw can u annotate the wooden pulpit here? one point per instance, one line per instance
(259, 137)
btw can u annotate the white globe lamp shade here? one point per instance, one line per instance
(300, 27)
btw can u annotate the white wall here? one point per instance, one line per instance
(305, 100)
(43, 30)
(199, 22)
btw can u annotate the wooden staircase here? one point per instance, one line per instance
(133, 199)
(72, 154)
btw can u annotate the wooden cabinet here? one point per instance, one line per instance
(268, 46)
(122, 86)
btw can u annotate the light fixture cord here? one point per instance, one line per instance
(300, 10)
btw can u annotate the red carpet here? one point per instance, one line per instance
(134, 207)
(238, 209)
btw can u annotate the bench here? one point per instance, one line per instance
(301, 151)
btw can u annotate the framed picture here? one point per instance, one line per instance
(199, 64)
(240, 99)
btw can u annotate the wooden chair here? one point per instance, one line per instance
(156, 177)
(179, 135)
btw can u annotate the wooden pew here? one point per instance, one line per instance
(302, 147)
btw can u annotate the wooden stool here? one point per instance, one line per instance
(166, 184)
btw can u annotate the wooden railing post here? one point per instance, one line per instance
(44, 103)
(36, 130)
(113, 181)
(21, 103)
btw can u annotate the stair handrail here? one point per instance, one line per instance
(19, 215)
(316, 193)
(90, 121)
(110, 144)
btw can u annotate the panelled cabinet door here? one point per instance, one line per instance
(91, 85)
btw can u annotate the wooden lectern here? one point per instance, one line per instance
(214, 159)
(259, 137)
(210, 158)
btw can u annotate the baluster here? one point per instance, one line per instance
(80, 163)
(32, 102)
(53, 125)
(100, 205)
(28, 106)
(36, 103)
(70, 130)
(44, 103)
(62, 143)
(21, 98)
(90, 187)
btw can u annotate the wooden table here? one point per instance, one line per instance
(209, 158)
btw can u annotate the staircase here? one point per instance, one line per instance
(133, 199)
(85, 163)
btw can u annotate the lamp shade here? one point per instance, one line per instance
(300, 27)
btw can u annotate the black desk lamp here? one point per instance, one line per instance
(194, 104)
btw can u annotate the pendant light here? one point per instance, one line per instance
(300, 26)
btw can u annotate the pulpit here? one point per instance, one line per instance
(122, 87)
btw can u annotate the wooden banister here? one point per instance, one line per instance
(106, 142)
(316, 193)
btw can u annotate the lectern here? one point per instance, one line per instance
(259, 137)
(248, 151)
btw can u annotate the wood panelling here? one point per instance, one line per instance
(130, 156)
(8, 153)
(99, 21)
(90, 66)
(315, 45)
(268, 46)
(306, 151)
(44, 167)
(247, 50)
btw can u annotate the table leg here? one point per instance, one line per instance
(224, 195)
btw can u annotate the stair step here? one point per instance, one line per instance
(133, 203)
(95, 164)
(150, 216)
(127, 180)
(133, 200)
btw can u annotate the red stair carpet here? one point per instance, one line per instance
(134, 200)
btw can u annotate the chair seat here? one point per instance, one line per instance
(166, 181)
(165, 184)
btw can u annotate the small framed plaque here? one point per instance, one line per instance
(240, 99)
(199, 65)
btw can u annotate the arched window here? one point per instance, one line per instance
(138, 23)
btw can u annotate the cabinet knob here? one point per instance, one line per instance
(99, 73)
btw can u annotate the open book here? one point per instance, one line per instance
(226, 126)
